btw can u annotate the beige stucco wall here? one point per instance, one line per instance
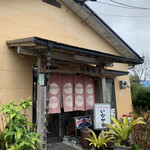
(15, 75)
(123, 96)
(21, 19)
(27, 18)
(118, 66)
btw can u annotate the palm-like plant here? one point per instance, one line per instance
(122, 128)
(102, 139)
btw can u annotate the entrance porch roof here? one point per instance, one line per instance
(66, 53)
(38, 46)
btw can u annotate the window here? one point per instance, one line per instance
(110, 93)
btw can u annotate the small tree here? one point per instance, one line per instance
(140, 94)
(142, 71)
(135, 84)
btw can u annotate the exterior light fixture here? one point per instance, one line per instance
(123, 84)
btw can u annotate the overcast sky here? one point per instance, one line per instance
(132, 24)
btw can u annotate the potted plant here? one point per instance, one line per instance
(102, 140)
(122, 129)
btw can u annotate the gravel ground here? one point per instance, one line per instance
(60, 146)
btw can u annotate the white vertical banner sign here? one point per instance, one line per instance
(101, 115)
(113, 112)
(41, 79)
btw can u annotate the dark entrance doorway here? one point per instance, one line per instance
(60, 125)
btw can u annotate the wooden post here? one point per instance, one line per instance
(41, 97)
(43, 100)
(102, 85)
(41, 103)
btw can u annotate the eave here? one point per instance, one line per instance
(36, 46)
(95, 22)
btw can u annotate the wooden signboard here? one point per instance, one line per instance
(76, 68)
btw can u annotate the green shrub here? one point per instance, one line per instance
(2, 142)
(141, 97)
(19, 132)
(136, 147)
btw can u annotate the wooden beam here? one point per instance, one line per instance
(24, 51)
(62, 55)
(22, 42)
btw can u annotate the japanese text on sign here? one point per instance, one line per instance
(101, 115)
